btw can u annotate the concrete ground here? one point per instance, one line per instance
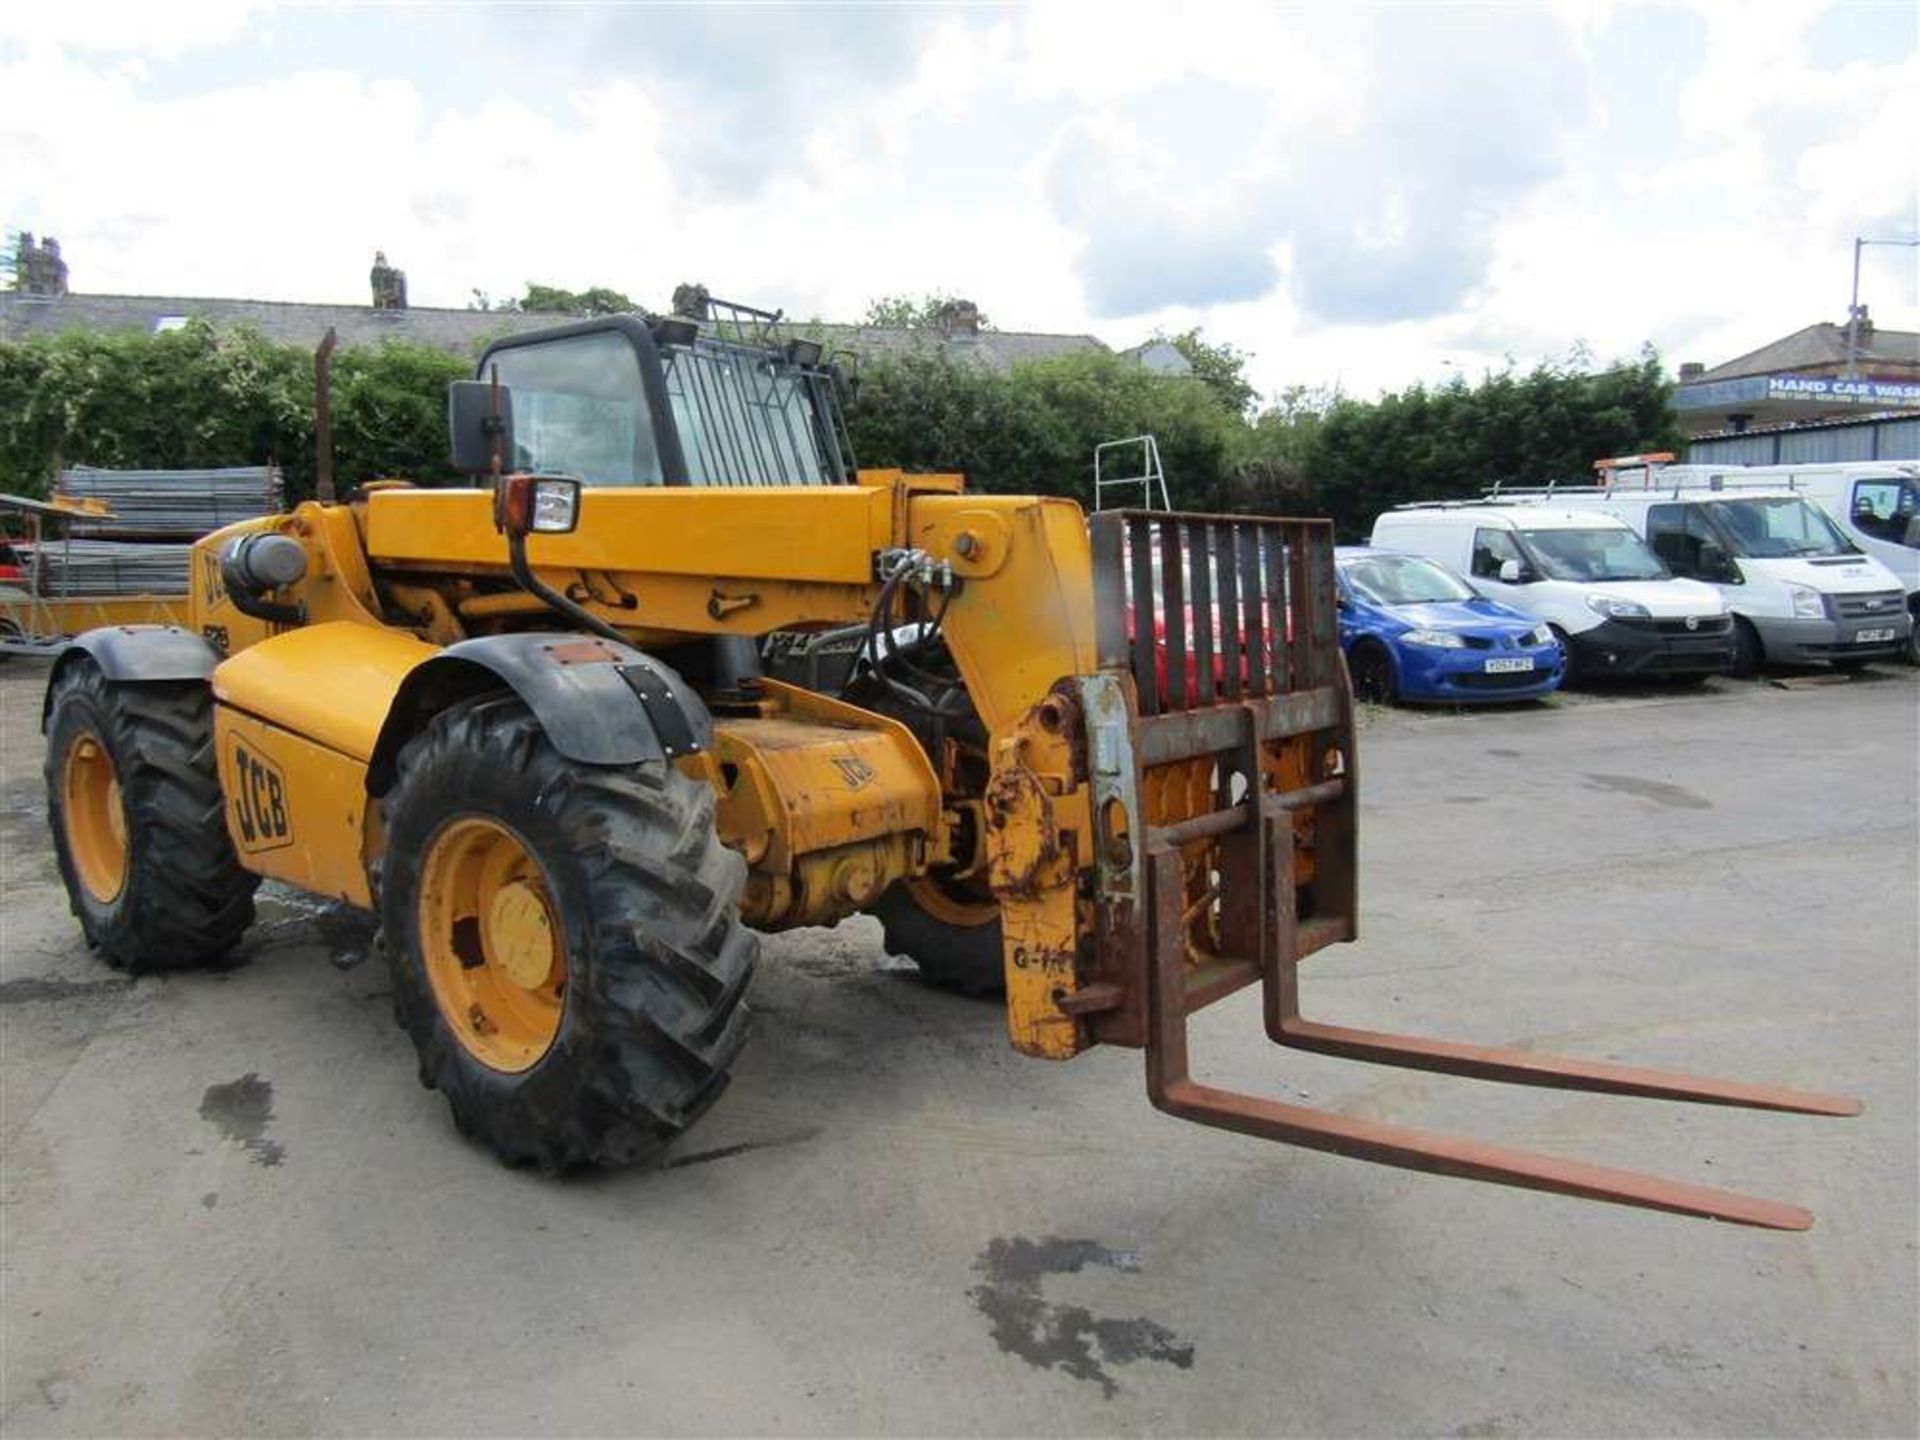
(227, 1207)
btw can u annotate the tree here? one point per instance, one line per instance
(1453, 441)
(1222, 368)
(551, 300)
(934, 310)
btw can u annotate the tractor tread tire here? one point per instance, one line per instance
(968, 959)
(658, 959)
(186, 901)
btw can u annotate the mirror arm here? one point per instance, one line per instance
(531, 583)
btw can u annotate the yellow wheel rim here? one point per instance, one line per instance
(95, 818)
(958, 904)
(494, 948)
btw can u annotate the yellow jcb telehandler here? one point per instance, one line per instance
(670, 670)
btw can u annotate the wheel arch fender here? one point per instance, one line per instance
(598, 702)
(133, 654)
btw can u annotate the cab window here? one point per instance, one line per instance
(1675, 533)
(1492, 549)
(1888, 510)
(580, 409)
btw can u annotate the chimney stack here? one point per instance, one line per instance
(959, 319)
(389, 284)
(38, 269)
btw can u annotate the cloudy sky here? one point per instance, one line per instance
(1356, 194)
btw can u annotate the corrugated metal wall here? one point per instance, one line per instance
(1857, 440)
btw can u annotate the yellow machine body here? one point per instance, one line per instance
(830, 804)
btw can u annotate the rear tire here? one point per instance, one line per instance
(1371, 669)
(631, 897)
(954, 938)
(139, 823)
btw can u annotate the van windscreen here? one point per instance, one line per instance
(1599, 553)
(1778, 526)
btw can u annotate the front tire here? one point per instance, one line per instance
(1371, 669)
(1569, 671)
(139, 823)
(1748, 653)
(565, 940)
(951, 931)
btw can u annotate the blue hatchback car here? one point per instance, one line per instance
(1413, 630)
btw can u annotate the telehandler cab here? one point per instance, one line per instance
(678, 672)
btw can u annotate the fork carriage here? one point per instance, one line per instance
(1240, 769)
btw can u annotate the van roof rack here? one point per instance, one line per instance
(1496, 496)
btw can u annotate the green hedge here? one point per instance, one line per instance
(197, 397)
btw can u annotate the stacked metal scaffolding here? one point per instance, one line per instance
(173, 504)
(107, 567)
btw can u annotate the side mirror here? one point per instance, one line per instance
(478, 434)
(1715, 563)
(1512, 572)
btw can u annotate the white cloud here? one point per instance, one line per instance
(137, 27)
(1369, 194)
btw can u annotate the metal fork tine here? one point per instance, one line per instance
(1521, 1067)
(1468, 1159)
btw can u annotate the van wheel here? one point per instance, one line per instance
(1748, 652)
(1913, 638)
(1372, 671)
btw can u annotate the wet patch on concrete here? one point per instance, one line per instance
(1503, 753)
(240, 1110)
(1465, 799)
(48, 987)
(1065, 1337)
(1658, 791)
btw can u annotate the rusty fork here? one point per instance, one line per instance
(1257, 597)
(1171, 1087)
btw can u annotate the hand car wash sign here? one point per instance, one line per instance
(1837, 390)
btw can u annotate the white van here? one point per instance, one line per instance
(1876, 504)
(1614, 607)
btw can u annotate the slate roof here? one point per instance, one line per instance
(465, 332)
(459, 332)
(995, 350)
(1819, 347)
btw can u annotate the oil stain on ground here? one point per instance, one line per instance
(240, 1110)
(1657, 791)
(1065, 1337)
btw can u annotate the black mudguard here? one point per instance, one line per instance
(600, 703)
(133, 653)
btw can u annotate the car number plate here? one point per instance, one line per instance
(1868, 637)
(1504, 666)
